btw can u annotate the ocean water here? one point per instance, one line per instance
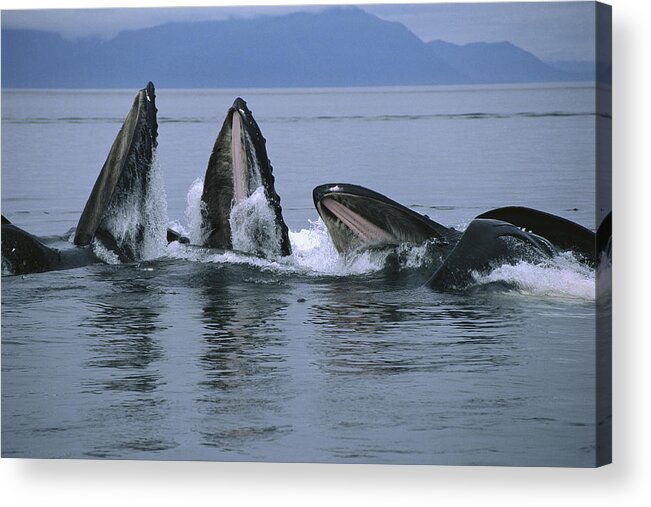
(204, 355)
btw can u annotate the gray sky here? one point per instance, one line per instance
(559, 30)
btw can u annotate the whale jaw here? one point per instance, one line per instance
(238, 171)
(358, 218)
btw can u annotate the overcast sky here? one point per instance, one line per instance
(551, 31)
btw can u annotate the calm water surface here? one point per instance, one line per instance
(199, 355)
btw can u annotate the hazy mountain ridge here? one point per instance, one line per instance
(334, 47)
(497, 62)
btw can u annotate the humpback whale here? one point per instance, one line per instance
(24, 253)
(359, 218)
(121, 188)
(239, 205)
(486, 244)
(123, 180)
(513, 234)
(562, 233)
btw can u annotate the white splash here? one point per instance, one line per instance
(253, 222)
(141, 223)
(193, 253)
(193, 209)
(154, 214)
(103, 253)
(561, 277)
(253, 226)
(415, 256)
(313, 252)
(6, 268)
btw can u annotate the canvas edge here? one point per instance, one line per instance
(603, 206)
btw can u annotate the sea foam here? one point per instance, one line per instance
(561, 277)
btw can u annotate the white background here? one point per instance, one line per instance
(626, 482)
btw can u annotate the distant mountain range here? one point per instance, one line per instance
(334, 47)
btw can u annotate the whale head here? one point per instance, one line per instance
(357, 218)
(122, 187)
(239, 177)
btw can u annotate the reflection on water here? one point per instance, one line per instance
(366, 329)
(237, 363)
(351, 306)
(242, 358)
(121, 335)
(123, 323)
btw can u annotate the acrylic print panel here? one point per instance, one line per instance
(373, 234)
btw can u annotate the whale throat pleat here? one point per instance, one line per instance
(239, 160)
(362, 227)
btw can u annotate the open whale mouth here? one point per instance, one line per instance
(246, 143)
(357, 218)
(239, 199)
(118, 211)
(243, 168)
